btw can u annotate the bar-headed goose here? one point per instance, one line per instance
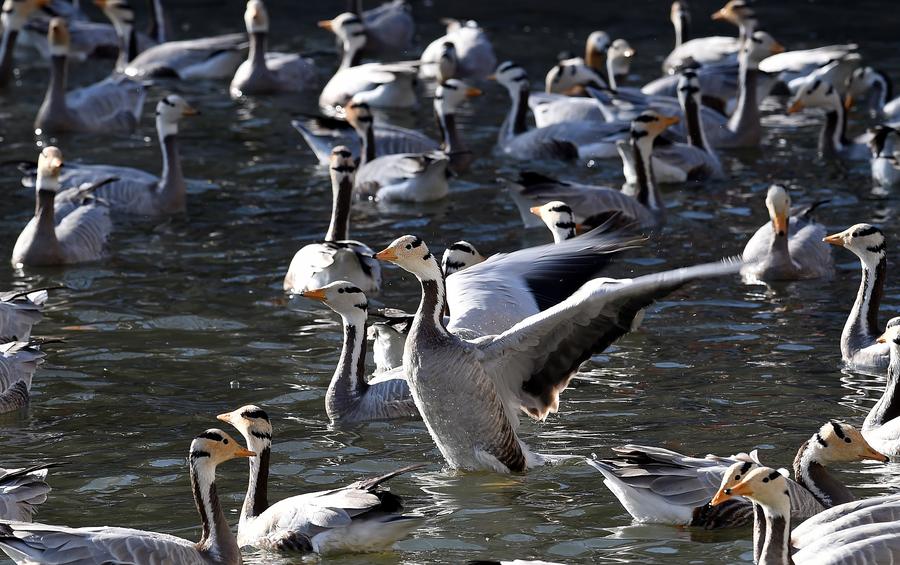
(877, 90)
(133, 191)
(593, 205)
(20, 310)
(460, 256)
(882, 425)
(790, 247)
(21, 490)
(833, 141)
(524, 368)
(337, 257)
(843, 538)
(41, 543)
(350, 399)
(381, 85)
(13, 18)
(131, 43)
(359, 517)
(558, 218)
(389, 27)
(885, 163)
(474, 52)
(712, 49)
(269, 72)
(18, 361)
(79, 237)
(660, 486)
(859, 347)
(403, 177)
(111, 105)
(216, 58)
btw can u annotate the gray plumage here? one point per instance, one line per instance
(389, 139)
(475, 54)
(389, 27)
(21, 491)
(90, 40)
(410, 177)
(80, 237)
(19, 311)
(18, 362)
(215, 57)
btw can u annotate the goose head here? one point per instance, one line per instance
(448, 62)
(879, 140)
(649, 124)
(342, 166)
(620, 54)
(816, 93)
(595, 48)
(763, 485)
(349, 29)
(891, 334)
(119, 12)
(759, 45)
(459, 256)
(252, 422)
(865, 241)
(869, 83)
(50, 162)
(736, 473)
(511, 76)
(343, 297)
(411, 254)
(256, 18)
(359, 115)
(735, 12)
(839, 442)
(58, 37)
(557, 216)
(169, 111)
(214, 446)
(689, 87)
(779, 205)
(570, 76)
(16, 12)
(450, 95)
(680, 13)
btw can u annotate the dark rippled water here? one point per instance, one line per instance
(187, 319)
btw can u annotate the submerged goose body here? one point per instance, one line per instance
(338, 258)
(112, 105)
(79, 237)
(135, 192)
(21, 491)
(524, 368)
(790, 247)
(266, 72)
(18, 362)
(359, 517)
(350, 399)
(660, 486)
(474, 52)
(42, 543)
(860, 349)
(19, 311)
(216, 57)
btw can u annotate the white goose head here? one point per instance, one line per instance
(58, 37)
(570, 75)
(865, 81)
(620, 55)
(865, 241)
(214, 447)
(557, 216)
(450, 95)
(816, 93)
(839, 442)
(252, 422)
(343, 297)
(411, 254)
(169, 111)
(349, 28)
(763, 485)
(736, 473)
(50, 162)
(595, 48)
(736, 12)
(758, 46)
(256, 18)
(448, 62)
(511, 76)
(779, 205)
(649, 124)
(343, 166)
(891, 334)
(459, 256)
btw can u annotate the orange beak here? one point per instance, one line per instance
(491, 77)
(241, 452)
(326, 24)
(720, 15)
(795, 107)
(315, 294)
(43, 3)
(536, 210)
(99, 3)
(667, 121)
(386, 255)
(472, 92)
(226, 417)
(848, 102)
(777, 48)
(780, 223)
(720, 495)
(834, 239)
(740, 489)
(190, 111)
(870, 454)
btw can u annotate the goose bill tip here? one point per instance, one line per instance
(795, 107)
(834, 239)
(848, 102)
(777, 48)
(190, 111)
(719, 498)
(472, 92)
(871, 454)
(386, 255)
(244, 453)
(536, 210)
(314, 293)
(226, 417)
(326, 24)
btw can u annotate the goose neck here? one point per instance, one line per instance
(56, 91)
(45, 214)
(257, 54)
(519, 111)
(256, 500)
(745, 120)
(172, 186)
(811, 474)
(861, 327)
(759, 531)
(7, 46)
(158, 22)
(888, 406)
(695, 134)
(216, 537)
(341, 202)
(351, 58)
(348, 384)
(647, 191)
(429, 320)
(776, 548)
(682, 29)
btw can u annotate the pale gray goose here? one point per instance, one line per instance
(350, 399)
(559, 219)
(790, 247)
(882, 425)
(859, 347)
(790, 66)
(14, 17)
(659, 486)
(129, 191)
(20, 310)
(111, 105)
(216, 57)
(389, 27)
(475, 54)
(877, 542)
(833, 141)
(359, 517)
(42, 543)
(524, 368)
(18, 362)
(337, 257)
(269, 72)
(594, 205)
(79, 237)
(21, 490)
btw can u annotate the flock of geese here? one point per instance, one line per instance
(515, 327)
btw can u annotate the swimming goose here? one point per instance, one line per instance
(18, 362)
(13, 18)
(21, 490)
(42, 543)
(526, 367)
(788, 248)
(111, 105)
(269, 72)
(214, 58)
(350, 399)
(359, 517)
(121, 14)
(79, 237)
(133, 191)
(389, 27)
(882, 425)
(833, 142)
(460, 256)
(593, 205)
(869, 543)
(381, 85)
(337, 257)
(885, 163)
(558, 217)
(19, 311)
(660, 486)
(474, 52)
(404, 177)
(877, 88)
(865, 516)
(713, 49)
(859, 347)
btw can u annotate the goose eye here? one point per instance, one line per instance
(225, 441)
(848, 440)
(408, 246)
(340, 291)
